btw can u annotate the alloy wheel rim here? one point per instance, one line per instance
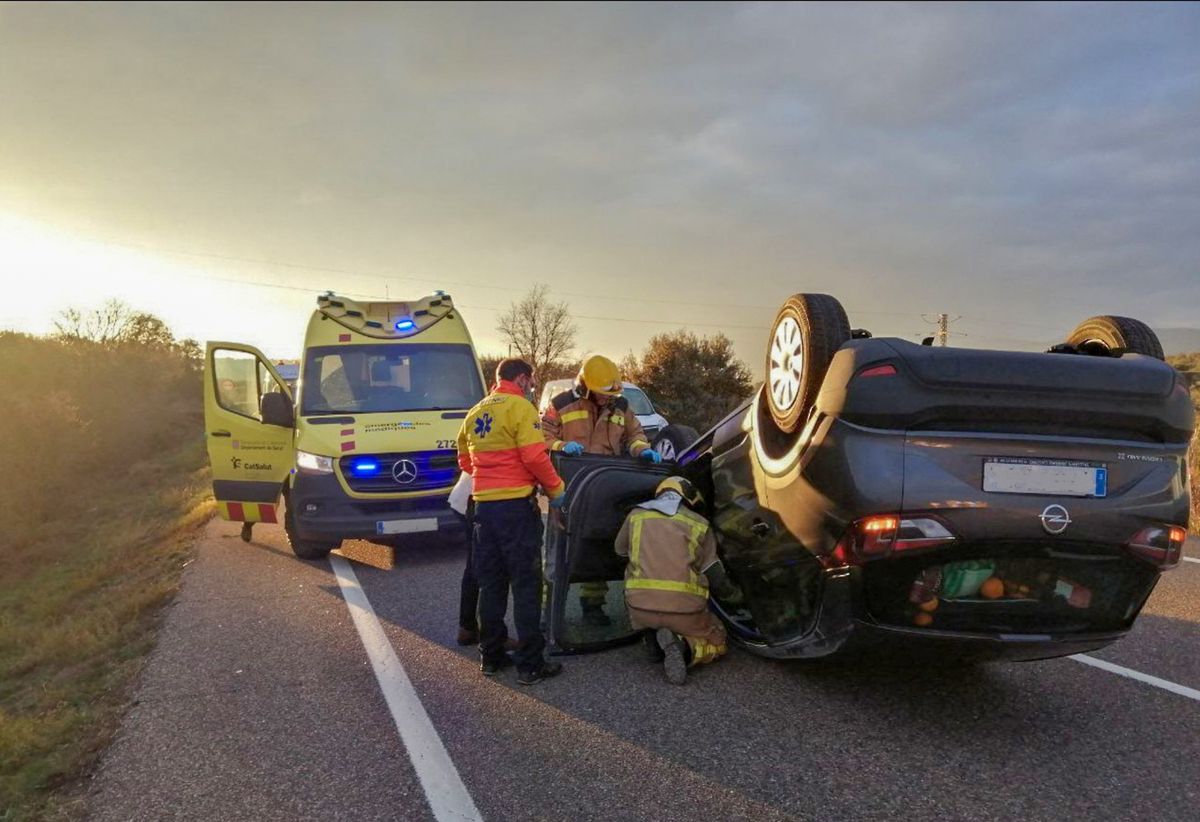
(787, 363)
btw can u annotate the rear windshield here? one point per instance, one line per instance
(638, 401)
(366, 379)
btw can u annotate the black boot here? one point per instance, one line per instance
(593, 614)
(675, 655)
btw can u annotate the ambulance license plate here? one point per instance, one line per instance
(406, 526)
(1061, 478)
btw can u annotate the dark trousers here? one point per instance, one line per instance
(508, 553)
(468, 599)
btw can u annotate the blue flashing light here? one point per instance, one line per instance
(365, 468)
(405, 325)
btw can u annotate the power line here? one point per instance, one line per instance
(441, 282)
(436, 281)
(311, 290)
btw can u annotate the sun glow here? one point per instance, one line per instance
(47, 270)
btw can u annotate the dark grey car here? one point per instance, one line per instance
(977, 503)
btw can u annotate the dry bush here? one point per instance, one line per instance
(102, 486)
(78, 414)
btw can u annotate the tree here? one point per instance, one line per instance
(692, 380)
(115, 323)
(539, 331)
(104, 325)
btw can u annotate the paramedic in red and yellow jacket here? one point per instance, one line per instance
(500, 445)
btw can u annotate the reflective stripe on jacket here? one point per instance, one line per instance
(612, 430)
(500, 445)
(667, 558)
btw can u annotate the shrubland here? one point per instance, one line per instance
(103, 484)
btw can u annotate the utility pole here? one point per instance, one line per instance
(942, 321)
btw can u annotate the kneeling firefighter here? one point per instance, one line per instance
(672, 565)
(593, 418)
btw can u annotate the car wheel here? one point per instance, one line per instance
(674, 440)
(1108, 336)
(304, 548)
(807, 332)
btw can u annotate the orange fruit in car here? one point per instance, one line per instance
(929, 605)
(992, 588)
(923, 619)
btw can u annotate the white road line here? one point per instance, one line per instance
(448, 796)
(1190, 559)
(1182, 690)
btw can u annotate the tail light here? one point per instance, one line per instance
(884, 535)
(1159, 544)
(887, 370)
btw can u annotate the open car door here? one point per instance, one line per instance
(580, 557)
(249, 422)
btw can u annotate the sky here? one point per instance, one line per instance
(1020, 167)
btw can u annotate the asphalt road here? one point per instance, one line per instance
(260, 703)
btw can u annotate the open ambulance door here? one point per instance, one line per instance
(249, 420)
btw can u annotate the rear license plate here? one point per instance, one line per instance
(406, 526)
(1059, 478)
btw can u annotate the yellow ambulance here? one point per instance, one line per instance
(366, 447)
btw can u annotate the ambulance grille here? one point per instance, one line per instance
(434, 469)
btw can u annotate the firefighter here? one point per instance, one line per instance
(672, 566)
(500, 445)
(593, 418)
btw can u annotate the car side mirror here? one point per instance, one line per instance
(277, 410)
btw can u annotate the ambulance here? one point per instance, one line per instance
(365, 448)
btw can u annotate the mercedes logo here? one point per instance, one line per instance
(1055, 519)
(404, 471)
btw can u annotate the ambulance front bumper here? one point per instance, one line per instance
(321, 510)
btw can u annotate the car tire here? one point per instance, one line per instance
(1108, 336)
(673, 440)
(309, 549)
(807, 332)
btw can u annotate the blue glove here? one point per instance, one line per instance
(573, 449)
(558, 502)
(652, 455)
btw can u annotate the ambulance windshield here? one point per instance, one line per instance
(367, 379)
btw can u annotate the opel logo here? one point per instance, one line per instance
(1055, 519)
(404, 471)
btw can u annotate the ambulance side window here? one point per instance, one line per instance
(266, 383)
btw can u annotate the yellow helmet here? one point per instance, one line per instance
(683, 487)
(600, 375)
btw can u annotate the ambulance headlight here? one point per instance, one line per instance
(314, 463)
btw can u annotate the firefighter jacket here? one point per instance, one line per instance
(668, 554)
(500, 445)
(612, 430)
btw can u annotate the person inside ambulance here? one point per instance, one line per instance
(593, 418)
(673, 564)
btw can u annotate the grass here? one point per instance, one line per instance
(81, 601)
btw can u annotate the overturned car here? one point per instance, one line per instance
(976, 503)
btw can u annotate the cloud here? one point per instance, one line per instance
(1034, 162)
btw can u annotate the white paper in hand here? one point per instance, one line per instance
(460, 495)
